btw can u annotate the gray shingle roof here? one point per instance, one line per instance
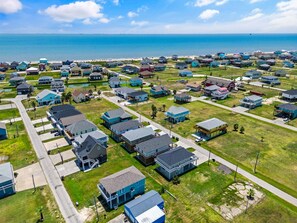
(137, 93)
(211, 124)
(6, 172)
(175, 156)
(290, 107)
(177, 110)
(90, 147)
(218, 81)
(95, 134)
(253, 97)
(59, 108)
(118, 113)
(24, 86)
(291, 92)
(125, 126)
(138, 133)
(154, 144)
(212, 88)
(81, 125)
(121, 179)
(144, 203)
(72, 119)
(124, 90)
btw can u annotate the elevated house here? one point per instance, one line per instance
(67, 62)
(4, 66)
(15, 81)
(193, 87)
(174, 57)
(220, 94)
(111, 64)
(13, 65)
(271, 62)
(221, 82)
(159, 91)
(78, 128)
(253, 74)
(115, 116)
(14, 74)
(3, 131)
(136, 81)
(95, 76)
(185, 73)
(22, 66)
(7, 180)
(86, 72)
(133, 137)
(176, 162)
(162, 59)
(182, 98)
(286, 111)
(290, 95)
(251, 102)
(75, 71)
(45, 80)
(64, 73)
(176, 114)
(146, 74)
(160, 67)
(97, 134)
(43, 60)
(148, 150)
(211, 128)
(24, 89)
(288, 64)
(32, 71)
(195, 63)
(123, 92)
(280, 73)
(147, 208)
(117, 130)
(149, 68)
(57, 85)
(214, 64)
(181, 65)
(114, 82)
(86, 66)
(47, 97)
(122, 186)
(2, 76)
(80, 96)
(90, 154)
(130, 69)
(265, 67)
(97, 69)
(271, 80)
(146, 61)
(138, 96)
(56, 66)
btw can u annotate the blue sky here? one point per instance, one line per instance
(150, 16)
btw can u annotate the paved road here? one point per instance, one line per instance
(274, 122)
(64, 202)
(191, 143)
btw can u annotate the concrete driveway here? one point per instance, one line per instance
(240, 109)
(24, 179)
(7, 106)
(44, 119)
(55, 144)
(47, 136)
(68, 168)
(45, 127)
(66, 155)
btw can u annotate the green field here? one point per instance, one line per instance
(24, 207)
(9, 114)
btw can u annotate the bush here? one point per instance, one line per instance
(176, 180)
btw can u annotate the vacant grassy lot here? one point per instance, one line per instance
(9, 114)
(17, 149)
(24, 207)
(266, 111)
(278, 151)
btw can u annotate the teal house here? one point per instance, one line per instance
(288, 64)
(22, 66)
(195, 63)
(287, 111)
(64, 73)
(176, 114)
(43, 60)
(135, 81)
(7, 182)
(122, 187)
(186, 73)
(159, 91)
(47, 97)
(214, 64)
(115, 116)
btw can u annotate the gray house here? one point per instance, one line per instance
(90, 154)
(120, 128)
(176, 162)
(7, 181)
(133, 137)
(45, 80)
(79, 128)
(97, 134)
(148, 150)
(290, 95)
(123, 92)
(24, 89)
(57, 85)
(252, 101)
(114, 82)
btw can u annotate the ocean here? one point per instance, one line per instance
(54, 47)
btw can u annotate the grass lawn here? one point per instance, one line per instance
(266, 111)
(9, 114)
(18, 150)
(23, 207)
(278, 152)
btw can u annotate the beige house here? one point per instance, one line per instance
(80, 96)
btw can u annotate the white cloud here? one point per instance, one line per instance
(201, 3)
(286, 16)
(120, 17)
(208, 14)
(10, 6)
(132, 14)
(255, 1)
(222, 2)
(254, 14)
(116, 2)
(139, 23)
(79, 10)
(104, 20)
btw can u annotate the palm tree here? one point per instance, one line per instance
(63, 97)
(33, 103)
(242, 130)
(95, 87)
(235, 127)
(154, 111)
(99, 92)
(66, 81)
(174, 92)
(90, 92)
(164, 107)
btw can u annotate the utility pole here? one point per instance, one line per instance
(33, 183)
(96, 208)
(62, 160)
(17, 129)
(209, 157)
(257, 158)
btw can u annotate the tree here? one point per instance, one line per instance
(40, 210)
(262, 139)
(95, 87)
(174, 92)
(154, 111)
(235, 127)
(251, 194)
(33, 103)
(90, 92)
(141, 86)
(163, 107)
(68, 96)
(242, 130)
(63, 97)
(66, 81)
(99, 92)
(176, 180)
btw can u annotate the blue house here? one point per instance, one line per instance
(214, 64)
(272, 80)
(253, 74)
(64, 73)
(138, 96)
(43, 60)
(195, 63)
(147, 208)
(22, 66)
(3, 131)
(252, 101)
(122, 186)
(186, 73)
(160, 67)
(288, 64)
(47, 97)
(135, 81)
(157, 91)
(177, 114)
(114, 82)
(115, 116)
(7, 182)
(287, 110)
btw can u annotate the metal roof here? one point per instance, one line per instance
(211, 124)
(6, 172)
(117, 113)
(291, 92)
(138, 133)
(45, 93)
(290, 107)
(97, 134)
(154, 144)
(177, 110)
(125, 126)
(81, 126)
